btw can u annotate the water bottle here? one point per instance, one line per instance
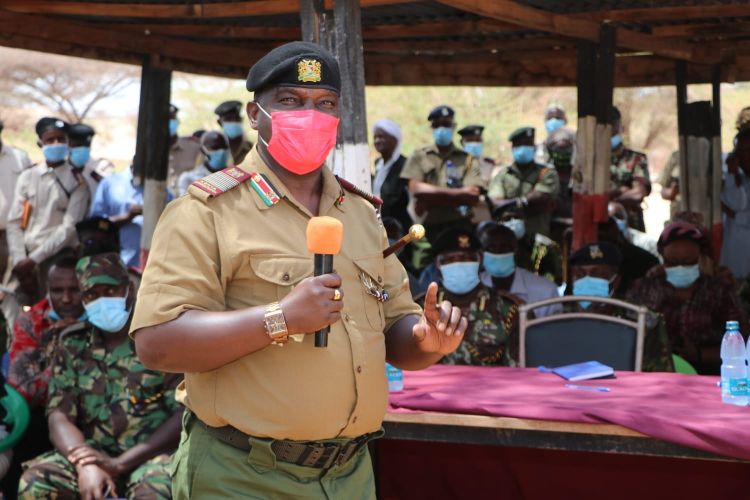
(453, 175)
(395, 378)
(733, 371)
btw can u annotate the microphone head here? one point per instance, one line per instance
(324, 235)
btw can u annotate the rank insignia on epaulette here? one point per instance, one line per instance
(265, 190)
(222, 181)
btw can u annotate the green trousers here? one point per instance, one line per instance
(205, 468)
(51, 476)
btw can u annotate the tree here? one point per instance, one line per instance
(69, 87)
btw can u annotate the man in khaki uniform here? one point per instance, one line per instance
(533, 187)
(229, 275)
(443, 180)
(230, 119)
(184, 152)
(50, 198)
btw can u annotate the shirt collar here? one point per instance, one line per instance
(331, 193)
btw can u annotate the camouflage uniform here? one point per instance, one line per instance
(544, 259)
(628, 166)
(112, 399)
(492, 336)
(671, 173)
(513, 182)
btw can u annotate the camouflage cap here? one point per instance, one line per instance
(101, 269)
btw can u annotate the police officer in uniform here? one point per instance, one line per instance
(473, 143)
(230, 119)
(532, 186)
(442, 180)
(228, 298)
(93, 170)
(630, 181)
(49, 200)
(184, 152)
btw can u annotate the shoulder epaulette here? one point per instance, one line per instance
(222, 181)
(374, 200)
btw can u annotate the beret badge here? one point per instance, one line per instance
(308, 71)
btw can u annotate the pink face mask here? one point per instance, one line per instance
(301, 139)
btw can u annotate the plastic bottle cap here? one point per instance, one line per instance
(733, 325)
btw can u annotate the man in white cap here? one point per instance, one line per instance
(387, 182)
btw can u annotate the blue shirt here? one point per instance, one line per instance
(114, 196)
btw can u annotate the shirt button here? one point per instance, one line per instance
(285, 277)
(354, 420)
(380, 279)
(346, 317)
(359, 369)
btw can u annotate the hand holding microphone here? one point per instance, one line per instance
(316, 302)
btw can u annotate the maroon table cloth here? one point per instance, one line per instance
(682, 409)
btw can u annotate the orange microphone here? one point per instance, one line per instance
(324, 235)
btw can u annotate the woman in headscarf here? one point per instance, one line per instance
(695, 306)
(387, 182)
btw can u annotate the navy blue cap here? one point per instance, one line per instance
(521, 133)
(49, 122)
(471, 130)
(81, 132)
(601, 252)
(441, 111)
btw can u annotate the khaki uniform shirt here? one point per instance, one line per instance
(628, 166)
(59, 199)
(183, 156)
(232, 252)
(512, 182)
(426, 165)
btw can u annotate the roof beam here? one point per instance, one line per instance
(70, 32)
(570, 26)
(196, 10)
(701, 30)
(651, 14)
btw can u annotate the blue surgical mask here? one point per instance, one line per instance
(622, 224)
(173, 124)
(553, 124)
(232, 129)
(523, 155)
(518, 226)
(108, 313)
(589, 285)
(80, 155)
(55, 153)
(682, 276)
(443, 135)
(615, 140)
(460, 277)
(217, 159)
(499, 265)
(474, 148)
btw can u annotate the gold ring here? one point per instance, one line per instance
(336, 294)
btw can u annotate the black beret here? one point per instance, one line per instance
(521, 133)
(173, 108)
(227, 107)
(296, 64)
(601, 252)
(471, 130)
(81, 132)
(98, 224)
(49, 122)
(455, 239)
(441, 111)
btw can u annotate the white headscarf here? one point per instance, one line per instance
(382, 168)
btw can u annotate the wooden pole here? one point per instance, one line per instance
(716, 164)
(591, 177)
(154, 148)
(681, 91)
(343, 37)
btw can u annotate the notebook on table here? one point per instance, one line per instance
(584, 371)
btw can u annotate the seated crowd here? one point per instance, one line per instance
(498, 238)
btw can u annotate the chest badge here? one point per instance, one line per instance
(372, 288)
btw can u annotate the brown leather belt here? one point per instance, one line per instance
(317, 455)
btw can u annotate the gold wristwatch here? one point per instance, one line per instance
(275, 324)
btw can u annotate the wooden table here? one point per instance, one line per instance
(536, 434)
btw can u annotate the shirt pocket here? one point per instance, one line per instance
(370, 272)
(278, 274)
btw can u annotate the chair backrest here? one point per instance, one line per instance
(573, 337)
